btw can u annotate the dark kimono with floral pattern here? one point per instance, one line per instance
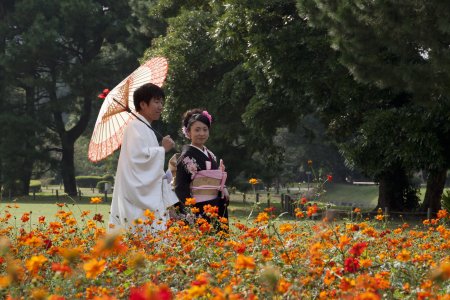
(191, 161)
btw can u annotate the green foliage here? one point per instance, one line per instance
(401, 45)
(445, 200)
(250, 65)
(102, 184)
(88, 181)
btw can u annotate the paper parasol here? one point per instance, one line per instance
(114, 114)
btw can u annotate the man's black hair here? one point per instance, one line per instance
(145, 93)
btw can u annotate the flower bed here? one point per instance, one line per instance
(263, 258)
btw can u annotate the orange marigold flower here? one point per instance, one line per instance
(96, 200)
(211, 210)
(303, 200)
(149, 214)
(62, 268)
(365, 263)
(368, 296)
(379, 217)
(245, 262)
(71, 221)
(357, 210)
(5, 281)
(343, 241)
(286, 228)
(283, 286)
(70, 254)
(195, 210)
(25, 217)
(85, 213)
(60, 204)
(405, 255)
(94, 267)
(299, 214)
(39, 294)
(346, 284)
(190, 201)
(442, 214)
(41, 219)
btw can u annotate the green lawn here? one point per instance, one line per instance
(44, 203)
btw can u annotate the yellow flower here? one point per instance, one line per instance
(262, 217)
(96, 200)
(35, 263)
(253, 181)
(94, 267)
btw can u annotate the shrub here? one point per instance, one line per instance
(35, 186)
(87, 181)
(101, 185)
(108, 177)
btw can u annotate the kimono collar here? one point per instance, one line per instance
(204, 150)
(144, 119)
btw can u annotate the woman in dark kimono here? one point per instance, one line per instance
(199, 175)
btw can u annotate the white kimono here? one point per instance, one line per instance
(140, 182)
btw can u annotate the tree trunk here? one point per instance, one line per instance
(435, 188)
(68, 168)
(393, 188)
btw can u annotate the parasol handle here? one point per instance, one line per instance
(127, 109)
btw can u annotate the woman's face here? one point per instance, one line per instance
(199, 134)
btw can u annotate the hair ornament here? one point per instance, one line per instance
(185, 131)
(206, 114)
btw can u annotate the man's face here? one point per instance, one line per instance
(152, 111)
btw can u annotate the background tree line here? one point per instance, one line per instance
(362, 82)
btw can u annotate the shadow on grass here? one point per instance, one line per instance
(53, 199)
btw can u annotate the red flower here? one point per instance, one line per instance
(303, 200)
(150, 292)
(25, 217)
(104, 94)
(47, 244)
(98, 218)
(351, 265)
(329, 178)
(358, 249)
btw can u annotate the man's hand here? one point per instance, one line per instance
(167, 143)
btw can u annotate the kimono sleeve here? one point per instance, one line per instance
(183, 182)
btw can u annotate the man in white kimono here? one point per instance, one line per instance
(140, 181)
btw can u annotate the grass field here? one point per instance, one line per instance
(45, 202)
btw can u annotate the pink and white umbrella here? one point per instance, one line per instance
(117, 109)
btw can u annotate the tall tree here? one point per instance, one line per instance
(403, 46)
(61, 53)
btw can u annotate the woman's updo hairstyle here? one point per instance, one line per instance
(193, 115)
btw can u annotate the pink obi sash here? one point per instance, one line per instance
(206, 184)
